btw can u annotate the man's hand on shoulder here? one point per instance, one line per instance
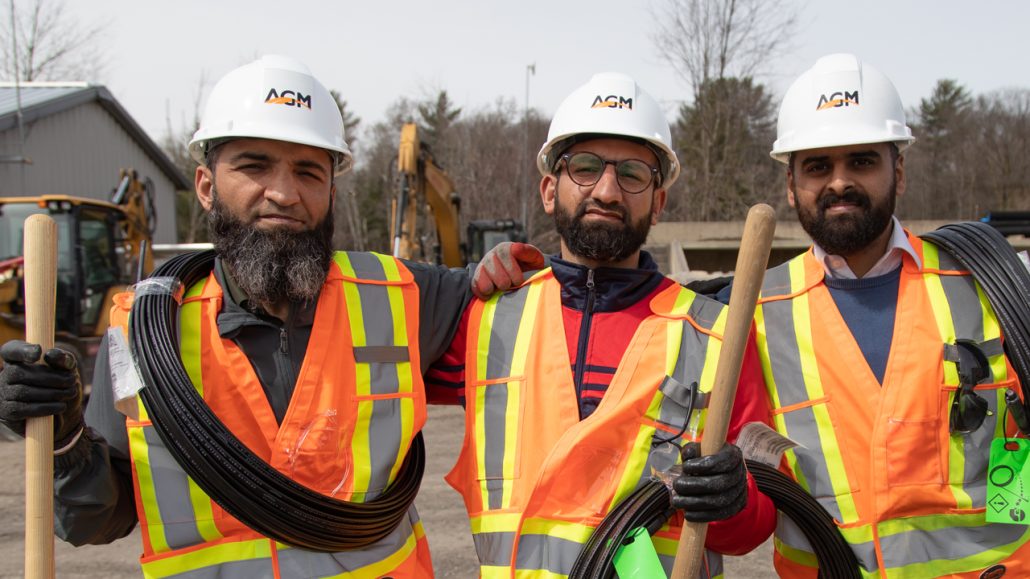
(503, 266)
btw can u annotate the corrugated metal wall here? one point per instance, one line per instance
(79, 152)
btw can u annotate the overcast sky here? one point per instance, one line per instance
(478, 50)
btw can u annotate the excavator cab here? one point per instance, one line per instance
(98, 254)
(484, 235)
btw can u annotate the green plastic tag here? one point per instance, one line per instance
(636, 557)
(1008, 482)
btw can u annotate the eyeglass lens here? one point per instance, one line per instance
(585, 169)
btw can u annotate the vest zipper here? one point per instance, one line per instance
(584, 340)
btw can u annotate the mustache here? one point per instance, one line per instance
(613, 207)
(850, 195)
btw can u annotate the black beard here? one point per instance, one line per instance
(847, 234)
(270, 266)
(601, 242)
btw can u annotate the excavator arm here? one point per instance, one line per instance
(425, 201)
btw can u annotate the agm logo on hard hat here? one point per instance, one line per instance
(288, 98)
(612, 102)
(837, 99)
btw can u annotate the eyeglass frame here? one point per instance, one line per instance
(656, 172)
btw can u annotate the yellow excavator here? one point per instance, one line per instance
(425, 221)
(100, 251)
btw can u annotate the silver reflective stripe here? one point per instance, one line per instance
(381, 352)
(494, 549)
(790, 534)
(301, 564)
(548, 553)
(967, 316)
(785, 361)
(366, 266)
(171, 489)
(503, 333)
(248, 569)
(915, 546)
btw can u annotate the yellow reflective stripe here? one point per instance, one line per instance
(203, 513)
(707, 380)
(495, 523)
(795, 555)
(141, 460)
(575, 532)
(208, 556)
(992, 330)
(493, 572)
(638, 457)
(482, 359)
(941, 310)
(384, 566)
(189, 337)
(405, 379)
(814, 388)
(946, 329)
(360, 447)
(518, 368)
(977, 562)
(665, 546)
(673, 339)
(538, 574)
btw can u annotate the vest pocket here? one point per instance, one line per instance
(914, 452)
(972, 449)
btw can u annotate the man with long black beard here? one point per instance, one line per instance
(313, 359)
(870, 341)
(590, 376)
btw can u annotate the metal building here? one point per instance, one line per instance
(73, 139)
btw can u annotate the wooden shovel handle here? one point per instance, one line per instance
(40, 297)
(747, 282)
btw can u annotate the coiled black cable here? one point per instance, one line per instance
(650, 507)
(234, 477)
(1005, 281)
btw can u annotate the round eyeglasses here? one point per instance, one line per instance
(585, 169)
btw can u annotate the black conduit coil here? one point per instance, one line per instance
(986, 253)
(241, 483)
(649, 507)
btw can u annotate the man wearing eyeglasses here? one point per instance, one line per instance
(884, 360)
(592, 374)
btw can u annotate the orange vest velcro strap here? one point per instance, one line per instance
(380, 354)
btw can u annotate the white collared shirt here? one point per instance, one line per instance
(837, 267)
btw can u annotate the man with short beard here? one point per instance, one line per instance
(590, 376)
(867, 341)
(311, 358)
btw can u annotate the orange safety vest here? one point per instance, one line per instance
(357, 404)
(536, 479)
(908, 496)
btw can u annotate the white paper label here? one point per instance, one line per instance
(759, 442)
(125, 380)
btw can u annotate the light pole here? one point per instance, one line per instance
(524, 194)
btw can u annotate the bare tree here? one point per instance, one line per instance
(713, 39)
(718, 47)
(43, 42)
(189, 215)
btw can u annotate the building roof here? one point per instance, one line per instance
(42, 99)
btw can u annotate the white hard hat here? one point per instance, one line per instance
(610, 104)
(838, 102)
(274, 97)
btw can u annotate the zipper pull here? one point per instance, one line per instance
(284, 344)
(590, 280)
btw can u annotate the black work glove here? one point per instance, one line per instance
(30, 390)
(711, 488)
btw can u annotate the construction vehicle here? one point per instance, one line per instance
(100, 252)
(425, 221)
